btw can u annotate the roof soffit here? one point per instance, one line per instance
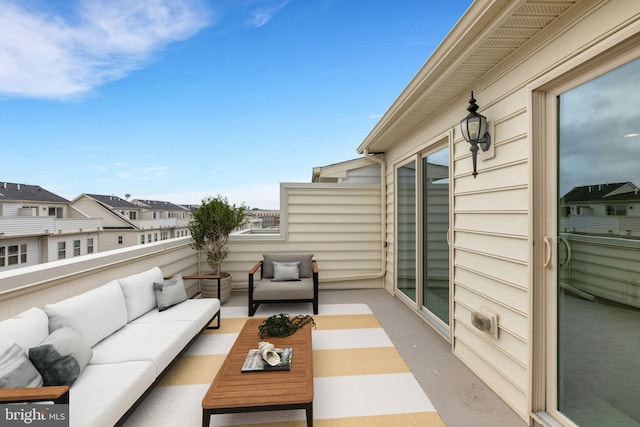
(489, 32)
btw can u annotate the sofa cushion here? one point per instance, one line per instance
(306, 263)
(286, 271)
(267, 290)
(61, 357)
(103, 393)
(95, 314)
(198, 311)
(16, 370)
(157, 343)
(169, 292)
(138, 292)
(26, 329)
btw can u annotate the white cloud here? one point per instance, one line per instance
(374, 116)
(262, 15)
(47, 56)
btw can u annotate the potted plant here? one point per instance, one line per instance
(210, 227)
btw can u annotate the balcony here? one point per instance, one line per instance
(458, 395)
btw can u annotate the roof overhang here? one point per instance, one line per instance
(488, 32)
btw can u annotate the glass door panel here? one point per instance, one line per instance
(406, 231)
(435, 220)
(598, 257)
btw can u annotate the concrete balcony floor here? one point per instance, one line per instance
(459, 396)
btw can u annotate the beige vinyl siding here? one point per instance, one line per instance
(339, 223)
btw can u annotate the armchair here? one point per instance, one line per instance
(293, 278)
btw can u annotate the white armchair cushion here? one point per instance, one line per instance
(138, 292)
(95, 314)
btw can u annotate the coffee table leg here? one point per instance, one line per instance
(206, 418)
(309, 411)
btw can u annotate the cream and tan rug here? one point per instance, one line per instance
(360, 378)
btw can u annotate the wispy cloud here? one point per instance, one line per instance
(262, 15)
(374, 116)
(46, 55)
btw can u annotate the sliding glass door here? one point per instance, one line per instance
(435, 228)
(597, 264)
(406, 230)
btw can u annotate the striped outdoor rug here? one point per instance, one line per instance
(360, 378)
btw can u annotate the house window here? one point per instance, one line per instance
(120, 239)
(155, 237)
(55, 211)
(62, 250)
(132, 214)
(13, 255)
(617, 210)
(142, 239)
(76, 248)
(90, 246)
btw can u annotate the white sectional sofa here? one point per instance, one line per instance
(118, 327)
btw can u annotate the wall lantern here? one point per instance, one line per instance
(474, 131)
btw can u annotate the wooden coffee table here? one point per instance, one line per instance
(235, 391)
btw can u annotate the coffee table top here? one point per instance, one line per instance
(232, 388)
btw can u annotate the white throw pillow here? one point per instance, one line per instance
(138, 292)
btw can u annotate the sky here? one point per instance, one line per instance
(599, 133)
(177, 100)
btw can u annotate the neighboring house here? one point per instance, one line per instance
(38, 226)
(602, 209)
(132, 223)
(558, 83)
(172, 219)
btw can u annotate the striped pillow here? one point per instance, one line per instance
(17, 371)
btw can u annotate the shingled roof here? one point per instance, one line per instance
(160, 205)
(620, 191)
(113, 201)
(28, 193)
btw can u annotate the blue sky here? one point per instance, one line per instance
(177, 100)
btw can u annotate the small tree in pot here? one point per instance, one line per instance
(210, 227)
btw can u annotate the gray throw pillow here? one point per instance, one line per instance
(170, 292)
(17, 371)
(306, 263)
(61, 357)
(286, 271)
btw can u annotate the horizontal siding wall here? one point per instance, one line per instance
(491, 253)
(339, 223)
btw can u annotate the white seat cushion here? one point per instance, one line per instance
(95, 314)
(158, 343)
(198, 311)
(103, 393)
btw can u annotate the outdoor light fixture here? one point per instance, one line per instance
(474, 131)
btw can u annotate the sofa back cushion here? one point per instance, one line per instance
(95, 314)
(138, 292)
(305, 260)
(27, 329)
